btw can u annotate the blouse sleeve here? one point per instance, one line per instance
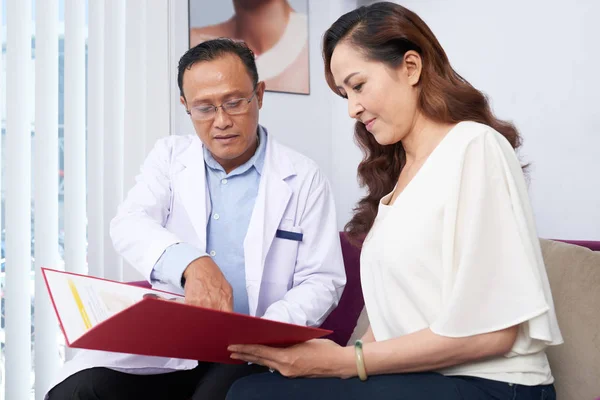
(494, 275)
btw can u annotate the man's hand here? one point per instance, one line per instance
(205, 285)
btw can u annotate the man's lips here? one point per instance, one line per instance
(225, 137)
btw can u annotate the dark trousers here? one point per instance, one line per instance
(206, 381)
(421, 386)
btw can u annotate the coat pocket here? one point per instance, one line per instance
(281, 259)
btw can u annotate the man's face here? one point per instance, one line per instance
(231, 139)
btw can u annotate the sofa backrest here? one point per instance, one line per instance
(574, 274)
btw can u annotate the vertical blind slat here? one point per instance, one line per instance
(135, 101)
(95, 144)
(74, 146)
(158, 72)
(18, 199)
(1, 97)
(135, 91)
(45, 188)
(74, 140)
(114, 83)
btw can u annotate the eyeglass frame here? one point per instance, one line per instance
(216, 108)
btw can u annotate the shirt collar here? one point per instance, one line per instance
(257, 161)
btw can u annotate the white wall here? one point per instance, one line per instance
(535, 60)
(538, 62)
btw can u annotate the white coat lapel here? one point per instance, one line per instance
(273, 197)
(191, 184)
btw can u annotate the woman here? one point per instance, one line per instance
(452, 273)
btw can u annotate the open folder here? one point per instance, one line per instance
(100, 314)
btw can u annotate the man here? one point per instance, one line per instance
(230, 218)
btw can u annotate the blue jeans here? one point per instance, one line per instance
(418, 386)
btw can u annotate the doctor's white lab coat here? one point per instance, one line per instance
(299, 282)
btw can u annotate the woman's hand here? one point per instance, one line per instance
(315, 358)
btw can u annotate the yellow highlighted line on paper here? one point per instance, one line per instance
(84, 315)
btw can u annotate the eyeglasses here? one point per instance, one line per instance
(204, 112)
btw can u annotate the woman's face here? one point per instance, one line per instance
(384, 99)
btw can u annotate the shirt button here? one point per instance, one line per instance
(216, 216)
(213, 253)
(224, 181)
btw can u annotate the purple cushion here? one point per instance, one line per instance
(342, 320)
(144, 284)
(592, 245)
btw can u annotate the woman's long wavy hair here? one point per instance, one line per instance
(384, 32)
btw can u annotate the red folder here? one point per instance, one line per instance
(156, 327)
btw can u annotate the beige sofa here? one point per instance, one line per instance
(574, 274)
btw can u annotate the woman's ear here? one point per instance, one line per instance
(412, 66)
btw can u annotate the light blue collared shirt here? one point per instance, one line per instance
(232, 198)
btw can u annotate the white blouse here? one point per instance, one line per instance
(458, 252)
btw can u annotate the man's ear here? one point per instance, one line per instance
(413, 66)
(260, 92)
(182, 100)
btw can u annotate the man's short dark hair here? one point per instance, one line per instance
(213, 49)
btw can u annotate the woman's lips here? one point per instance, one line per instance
(369, 124)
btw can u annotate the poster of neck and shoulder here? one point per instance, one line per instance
(275, 30)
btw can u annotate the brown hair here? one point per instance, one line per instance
(384, 32)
